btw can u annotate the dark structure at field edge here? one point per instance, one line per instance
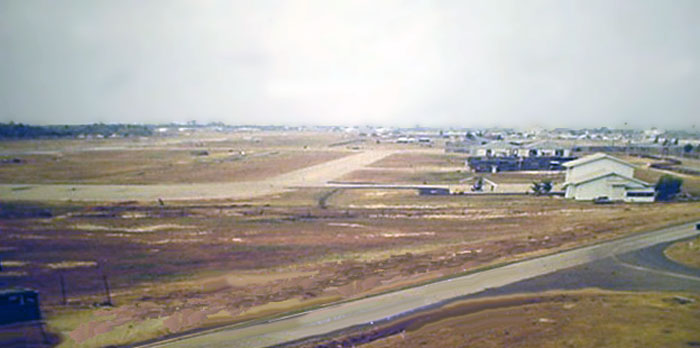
(509, 164)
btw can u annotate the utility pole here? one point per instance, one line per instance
(64, 300)
(109, 296)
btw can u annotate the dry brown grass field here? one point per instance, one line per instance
(431, 167)
(586, 318)
(685, 252)
(230, 261)
(160, 166)
(197, 263)
(436, 176)
(691, 183)
(421, 159)
(393, 176)
(210, 158)
(525, 177)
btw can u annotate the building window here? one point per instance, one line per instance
(559, 153)
(15, 299)
(640, 194)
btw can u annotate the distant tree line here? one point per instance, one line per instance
(23, 131)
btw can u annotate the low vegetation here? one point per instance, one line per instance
(690, 183)
(175, 266)
(542, 187)
(668, 187)
(160, 166)
(192, 255)
(588, 318)
(424, 159)
(685, 252)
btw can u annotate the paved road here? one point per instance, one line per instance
(646, 269)
(369, 310)
(312, 176)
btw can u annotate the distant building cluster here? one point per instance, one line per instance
(500, 155)
(494, 150)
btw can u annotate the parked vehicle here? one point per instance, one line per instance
(602, 200)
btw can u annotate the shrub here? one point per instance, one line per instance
(668, 187)
(542, 187)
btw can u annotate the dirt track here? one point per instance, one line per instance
(311, 176)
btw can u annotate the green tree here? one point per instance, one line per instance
(668, 187)
(541, 188)
(478, 185)
(687, 148)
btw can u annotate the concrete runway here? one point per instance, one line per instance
(391, 305)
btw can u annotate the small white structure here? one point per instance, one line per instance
(406, 140)
(601, 175)
(507, 149)
(545, 149)
(495, 149)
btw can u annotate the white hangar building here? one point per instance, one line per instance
(601, 175)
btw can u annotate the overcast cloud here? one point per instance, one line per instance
(433, 63)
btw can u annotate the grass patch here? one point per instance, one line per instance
(685, 252)
(585, 318)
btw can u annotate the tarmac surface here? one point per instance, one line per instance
(609, 264)
(646, 269)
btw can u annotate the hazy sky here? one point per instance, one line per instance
(433, 63)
